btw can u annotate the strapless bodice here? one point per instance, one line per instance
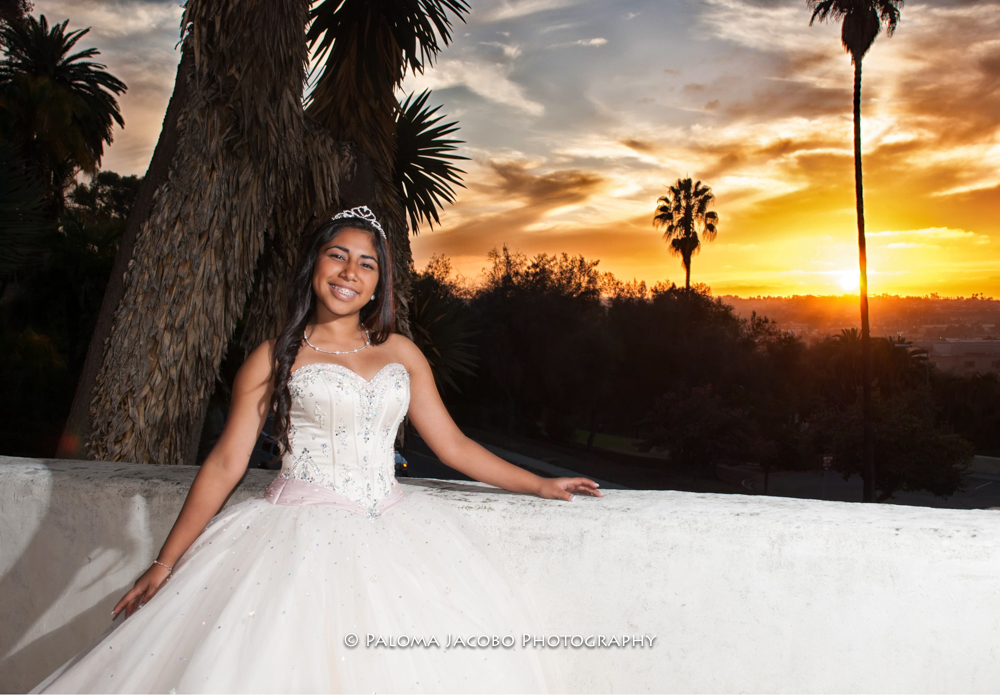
(342, 429)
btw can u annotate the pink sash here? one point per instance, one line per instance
(286, 491)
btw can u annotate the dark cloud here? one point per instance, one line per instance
(547, 190)
(953, 92)
(784, 99)
(731, 157)
(537, 193)
(643, 146)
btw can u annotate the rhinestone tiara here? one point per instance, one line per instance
(362, 212)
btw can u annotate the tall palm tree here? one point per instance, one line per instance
(685, 215)
(863, 20)
(58, 107)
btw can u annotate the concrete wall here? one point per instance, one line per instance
(744, 594)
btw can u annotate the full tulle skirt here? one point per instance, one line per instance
(268, 598)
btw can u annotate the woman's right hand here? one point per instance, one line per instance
(148, 584)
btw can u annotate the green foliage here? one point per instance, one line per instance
(441, 324)
(971, 405)
(22, 219)
(48, 312)
(565, 346)
(697, 427)
(911, 452)
(424, 173)
(896, 366)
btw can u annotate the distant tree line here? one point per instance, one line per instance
(551, 345)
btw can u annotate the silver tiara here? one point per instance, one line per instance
(362, 212)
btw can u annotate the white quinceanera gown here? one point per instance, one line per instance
(265, 598)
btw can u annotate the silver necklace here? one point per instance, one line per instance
(305, 337)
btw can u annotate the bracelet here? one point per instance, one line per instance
(164, 565)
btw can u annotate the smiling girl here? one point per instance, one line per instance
(265, 596)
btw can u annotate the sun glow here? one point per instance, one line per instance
(849, 280)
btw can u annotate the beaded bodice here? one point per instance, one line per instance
(342, 429)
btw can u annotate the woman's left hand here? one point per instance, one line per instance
(564, 488)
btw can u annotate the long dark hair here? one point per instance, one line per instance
(376, 317)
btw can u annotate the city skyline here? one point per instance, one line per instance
(576, 115)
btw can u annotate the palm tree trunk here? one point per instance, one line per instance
(316, 190)
(687, 273)
(868, 437)
(241, 136)
(77, 430)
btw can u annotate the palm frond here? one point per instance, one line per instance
(419, 29)
(863, 20)
(362, 50)
(684, 212)
(424, 171)
(442, 335)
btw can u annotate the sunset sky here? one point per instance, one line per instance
(576, 115)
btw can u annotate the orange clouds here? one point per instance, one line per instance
(777, 152)
(572, 139)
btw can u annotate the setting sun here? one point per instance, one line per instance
(848, 280)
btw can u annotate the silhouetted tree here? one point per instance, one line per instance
(686, 219)
(971, 405)
(442, 325)
(14, 10)
(49, 309)
(862, 22)
(56, 106)
(22, 219)
(913, 453)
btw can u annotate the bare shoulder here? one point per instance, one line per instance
(406, 351)
(259, 365)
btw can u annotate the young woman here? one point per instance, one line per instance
(271, 595)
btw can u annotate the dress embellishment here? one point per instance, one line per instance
(344, 430)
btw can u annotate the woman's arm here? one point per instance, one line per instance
(436, 427)
(218, 475)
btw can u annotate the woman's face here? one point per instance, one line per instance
(346, 273)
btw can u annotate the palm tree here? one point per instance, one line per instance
(230, 151)
(862, 22)
(56, 106)
(365, 49)
(684, 214)
(240, 170)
